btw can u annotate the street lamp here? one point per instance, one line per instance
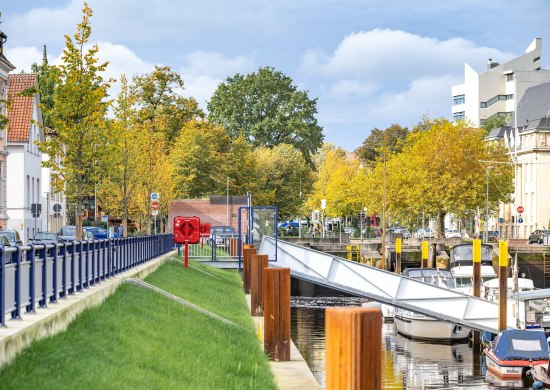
(487, 207)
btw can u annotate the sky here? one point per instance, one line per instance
(369, 63)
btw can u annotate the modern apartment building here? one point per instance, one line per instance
(497, 91)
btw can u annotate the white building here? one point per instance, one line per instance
(55, 211)
(5, 68)
(497, 91)
(532, 154)
(24, 170)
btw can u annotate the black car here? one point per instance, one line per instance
(537, 236)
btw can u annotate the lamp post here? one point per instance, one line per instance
(487, 207)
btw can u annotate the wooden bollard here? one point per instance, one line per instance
(398, 256)
(502, 285)
(248, 251)
(353, 348)
(257, 265)
(276, 293)
(476, 252)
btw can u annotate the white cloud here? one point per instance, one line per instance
(392, 55)
(345, 89)
(23, 58)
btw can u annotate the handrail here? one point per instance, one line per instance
(32, 275)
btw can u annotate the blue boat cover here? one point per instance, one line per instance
(521, 345)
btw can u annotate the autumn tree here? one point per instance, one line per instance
(78, 116)
(442, 170)
(372, 146)
(267, 109)
(283, 175)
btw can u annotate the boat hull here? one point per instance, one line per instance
(501, 370)
(417, 326)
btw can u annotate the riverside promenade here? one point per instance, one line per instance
(55, 318)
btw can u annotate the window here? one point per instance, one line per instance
(28, 191)
(458, 99)
(510, 77)
(459, 115)
(495, 99)
(536, 59)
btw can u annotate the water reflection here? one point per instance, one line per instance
(406, 364)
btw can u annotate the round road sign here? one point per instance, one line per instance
(501, 220)
(520, 209)
(520, 220)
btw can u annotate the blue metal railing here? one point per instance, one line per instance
(34, 275)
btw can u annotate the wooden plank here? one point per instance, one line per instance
(257, 265)
(276, 293)
(353, 348)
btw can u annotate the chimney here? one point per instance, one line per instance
(491, 64)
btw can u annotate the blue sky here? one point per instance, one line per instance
(369, 63)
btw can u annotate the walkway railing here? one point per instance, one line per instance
(35, 275)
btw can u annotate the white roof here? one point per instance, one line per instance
(468, 270)
(523, 284)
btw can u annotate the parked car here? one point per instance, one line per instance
(453, 233)
(44, 238)
(349, 230)
(537, 236)
(12, 236)
(425, 233)
(98, 233)
(68, 233)
(404, 232)
(220, 235)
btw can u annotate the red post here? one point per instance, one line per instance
(257, 265)
(186, 256)
(276, 294)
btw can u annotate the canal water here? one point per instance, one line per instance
(406, 364)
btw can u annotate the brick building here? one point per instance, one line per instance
(217, 210)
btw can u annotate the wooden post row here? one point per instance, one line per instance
(276, 293)
(353, 357)
(257, 265)
(248, 251)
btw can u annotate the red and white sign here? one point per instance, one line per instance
(520, 209)
(155, 205)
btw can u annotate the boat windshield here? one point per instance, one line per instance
(465, 253)
(441, 278)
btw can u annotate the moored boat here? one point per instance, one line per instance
(422, 327)
(514, 351)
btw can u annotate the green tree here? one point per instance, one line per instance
(198, 157)
(268, 110)
(371, 148)
(283, 176)
(78, 117)
(158, 101)
(494, 122)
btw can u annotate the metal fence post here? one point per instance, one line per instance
(73, 262)
(17, 282)
(43, 254)
(64, 268)
(33, 278)
(54, 272)
(2, 286)
(80, 265)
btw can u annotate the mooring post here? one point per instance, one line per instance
(425, 253)
(476, 252)
(276, 293)
(248, 250)
(398, 256)
(353, 348)
(503, 284)
(257, 265)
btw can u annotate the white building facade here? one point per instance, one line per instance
(497, 91)
(24, 165)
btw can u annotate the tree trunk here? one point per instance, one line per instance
(78, 220)
(440, 224)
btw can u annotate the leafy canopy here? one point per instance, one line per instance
(268, 110)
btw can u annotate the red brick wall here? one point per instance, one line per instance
(215, 214)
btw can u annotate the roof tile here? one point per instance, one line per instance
(20, 109)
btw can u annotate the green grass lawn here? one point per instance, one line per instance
(139, 339)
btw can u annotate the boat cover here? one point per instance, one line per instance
(521, 345)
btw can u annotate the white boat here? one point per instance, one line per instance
(420, 326)
(462, 268)
(388, 312)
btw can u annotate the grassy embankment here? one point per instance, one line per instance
(139, 339)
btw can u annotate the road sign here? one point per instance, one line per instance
(155, 205)
(104, 218)
(57, 208)
(155, 196)
(520, 209)
(520, 220)
(323, 204)
(501, 220)
(154, 213)
(495, 233)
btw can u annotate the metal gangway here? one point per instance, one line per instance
(382, 286)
